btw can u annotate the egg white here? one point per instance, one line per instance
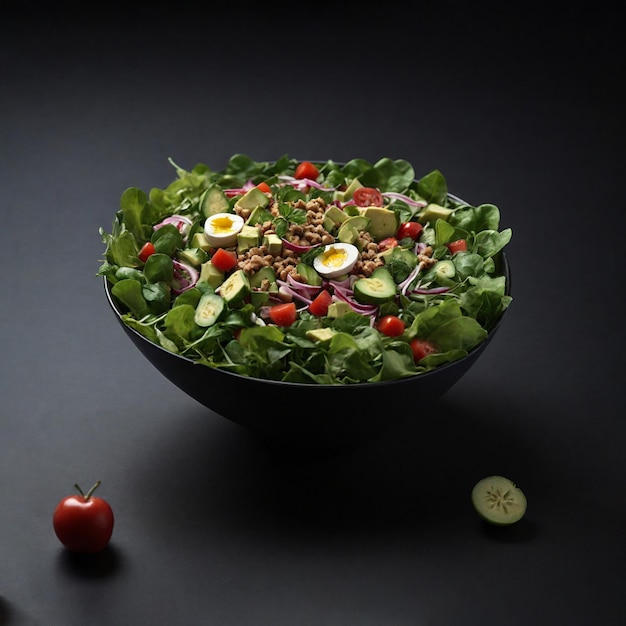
(336, 260)
(222, 229)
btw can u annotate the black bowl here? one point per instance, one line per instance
(301, 412)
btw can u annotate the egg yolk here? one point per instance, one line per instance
(335, 257)
(222, 224)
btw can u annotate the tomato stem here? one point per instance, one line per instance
(88, 494)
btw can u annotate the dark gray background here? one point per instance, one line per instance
(515, 106)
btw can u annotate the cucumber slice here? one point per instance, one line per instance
(445, 269)
(498, 501)
(377, 289)
(209, 309)
(214, 201)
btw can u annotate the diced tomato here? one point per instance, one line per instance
(410, 229)
(320, 304)
(388, 242)
(264, 187)
(146, 250)
(224, 259)
(422, 348)
(283, 314)
(390, 325)
(457, 246)
(306, 169)
(367, 196)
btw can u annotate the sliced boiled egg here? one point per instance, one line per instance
(337, 259)
(221, 229)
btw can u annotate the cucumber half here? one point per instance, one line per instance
(209, 308)
(498, 500)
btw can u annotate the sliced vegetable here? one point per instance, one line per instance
(319, 306)
(146, 250)
(264, 187)
(388, 242)
(283, 314)
(367, 196)
(236, 288)
(224, 260)
(209, 308)
(306, 169)
(498, 500)
(457, 246)
(378, 288)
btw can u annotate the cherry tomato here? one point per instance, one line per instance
(388, 242)
(368, 196)
(146, 250)
(83, 523)
(320, 304)
(224, 260)
(457, 246)
(306, 169)
(264, 187)
(390, 325)
(422, 348)
(410, 229)
(283, 314)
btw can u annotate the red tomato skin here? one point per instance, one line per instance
(410, 229)
(306, 169)
(146, 250)
(264, 187)
(320, 304)
(283, 314)
(388, 242)
(390, 325)
(368, 196)
(421, 348)
(83, 525)
(457, 246)
(224, 260)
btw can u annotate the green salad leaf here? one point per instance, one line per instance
(450, 282)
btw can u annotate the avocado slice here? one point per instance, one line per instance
(252, 199)
(350, 229)
(199, 240)
(235, 288)
(211, 274)
(257, 216)
(264, 273)
(352, 187)
(273, 243)
(433, 212)
(338, 309)
(321, 335)
(333, 218)
(248, 237)
(311, 276)
(383, 222)
(194, 256)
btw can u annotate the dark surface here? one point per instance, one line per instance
(214, 526)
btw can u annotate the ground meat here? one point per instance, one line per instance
(311, 233)
(425, 257)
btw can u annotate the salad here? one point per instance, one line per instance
(308, 272)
